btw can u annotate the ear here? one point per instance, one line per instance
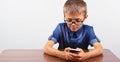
(85, 17)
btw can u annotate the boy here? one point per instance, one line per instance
(73, 34)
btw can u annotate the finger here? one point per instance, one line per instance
(67, 54)
(67, 49)
(74, 55)
(70, 57)
(77, 59)
(78, 48)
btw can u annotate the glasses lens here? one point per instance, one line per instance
(69, 20)
(76, 21)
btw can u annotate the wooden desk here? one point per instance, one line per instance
(32, 55)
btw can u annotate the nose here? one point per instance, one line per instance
(73, 23)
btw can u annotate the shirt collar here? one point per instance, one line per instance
(69, 30)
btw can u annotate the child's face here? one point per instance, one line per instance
(75, 22)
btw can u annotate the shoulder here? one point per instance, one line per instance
(61, 24)
(87, 27)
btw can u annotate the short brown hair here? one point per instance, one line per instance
(75, 7)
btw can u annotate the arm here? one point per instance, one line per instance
(48, 49)
(98, 50)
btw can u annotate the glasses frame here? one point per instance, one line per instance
(76, 21)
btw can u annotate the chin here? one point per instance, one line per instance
(73, 30)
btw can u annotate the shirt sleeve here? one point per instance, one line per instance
(92, 37)
(56, 34)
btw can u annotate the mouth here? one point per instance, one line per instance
(73, 28)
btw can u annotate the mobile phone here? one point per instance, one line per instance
(74, 50)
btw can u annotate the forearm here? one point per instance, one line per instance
(48, 49)
(55, 52)
(94, 52)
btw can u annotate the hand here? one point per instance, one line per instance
(78, 56)
(67, 53)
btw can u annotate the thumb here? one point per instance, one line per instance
(67, 49)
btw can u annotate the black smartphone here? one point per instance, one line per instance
(74, 50)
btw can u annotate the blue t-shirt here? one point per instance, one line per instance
(64, 36)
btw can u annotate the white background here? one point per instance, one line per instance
(26, 24)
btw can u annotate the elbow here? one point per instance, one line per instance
(45, 50)
(101, 51)
(48, 47)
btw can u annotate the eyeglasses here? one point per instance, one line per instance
(76, 21)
